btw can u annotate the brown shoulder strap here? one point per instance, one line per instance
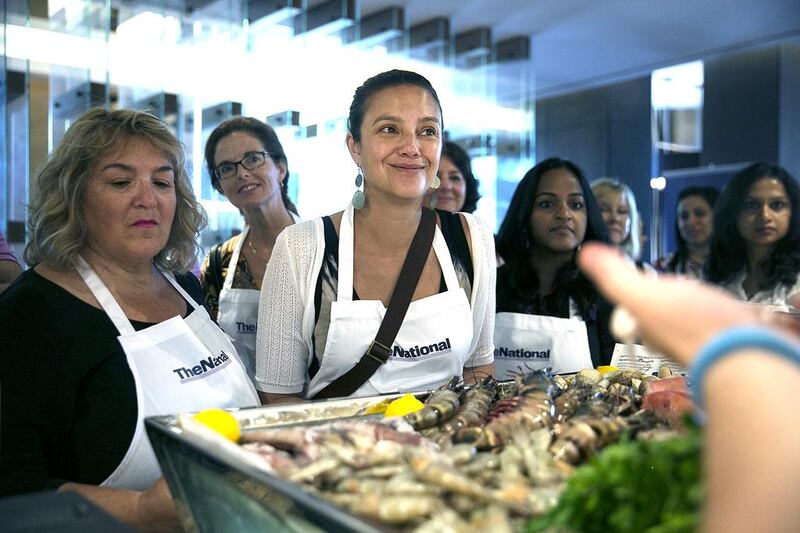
(380, 349)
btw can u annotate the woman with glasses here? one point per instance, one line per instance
(248, 166)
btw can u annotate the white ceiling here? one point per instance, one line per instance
(583, 43)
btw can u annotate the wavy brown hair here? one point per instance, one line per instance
(56, 225)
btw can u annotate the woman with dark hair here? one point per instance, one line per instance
(755, 246)
(322, 331)
(693, 224)
(248, 166)
(548, 313)
(459, 188)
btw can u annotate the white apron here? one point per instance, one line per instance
(533, 342)
(178, 365)
(432, 345)
(237, 311)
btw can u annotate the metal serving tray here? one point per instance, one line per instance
(217, 489)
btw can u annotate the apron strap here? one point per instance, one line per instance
(380, 349)
(110, 305)
(228, 284)
(344, 284)
(174, 282)
(445, 260)
(104, 297)
(344, 287)
(237, 250)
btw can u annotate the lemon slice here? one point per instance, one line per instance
(404, 405)
(377, 408)
(220, 421)
(606, 369)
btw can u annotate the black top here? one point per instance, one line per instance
(67, 396)
(595, 311)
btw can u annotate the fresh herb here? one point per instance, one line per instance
(633, 486)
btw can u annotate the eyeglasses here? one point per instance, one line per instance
(251, 161)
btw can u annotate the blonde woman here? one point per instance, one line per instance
(618, 209)
(108, 327)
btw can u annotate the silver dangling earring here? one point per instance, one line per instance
(437, 182)
(358, 196)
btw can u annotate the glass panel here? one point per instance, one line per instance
(14, 74)
(514, 119)
(78, 77)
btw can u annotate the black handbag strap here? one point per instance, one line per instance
(215, 266)
(380, 349)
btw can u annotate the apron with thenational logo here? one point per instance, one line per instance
(178, 365)
(432, 344)
(237, 310)
(532, 342)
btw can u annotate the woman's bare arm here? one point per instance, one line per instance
(150, 510)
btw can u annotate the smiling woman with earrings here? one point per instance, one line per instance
(387, 295)
(458, 191)
(548, 313)
(248, 166)
(755, 244)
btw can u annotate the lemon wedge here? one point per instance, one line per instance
(220, 421)
(377, 408)
(606, 369)
(404, 405)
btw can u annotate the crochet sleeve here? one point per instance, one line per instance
(483, 292)
(282, 343)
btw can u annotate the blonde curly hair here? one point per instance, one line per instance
(56, 225)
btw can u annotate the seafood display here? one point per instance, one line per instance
(490, 456)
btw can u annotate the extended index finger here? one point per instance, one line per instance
(616, 277)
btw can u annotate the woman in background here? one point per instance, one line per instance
(548, 313)
(755, 245)
(694, 221)
(459, 189)
(248, 166)
(618, 209)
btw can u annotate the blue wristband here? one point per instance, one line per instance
(734, 340)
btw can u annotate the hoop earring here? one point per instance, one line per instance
(358, 196)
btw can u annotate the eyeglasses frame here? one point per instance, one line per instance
(236, 164)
